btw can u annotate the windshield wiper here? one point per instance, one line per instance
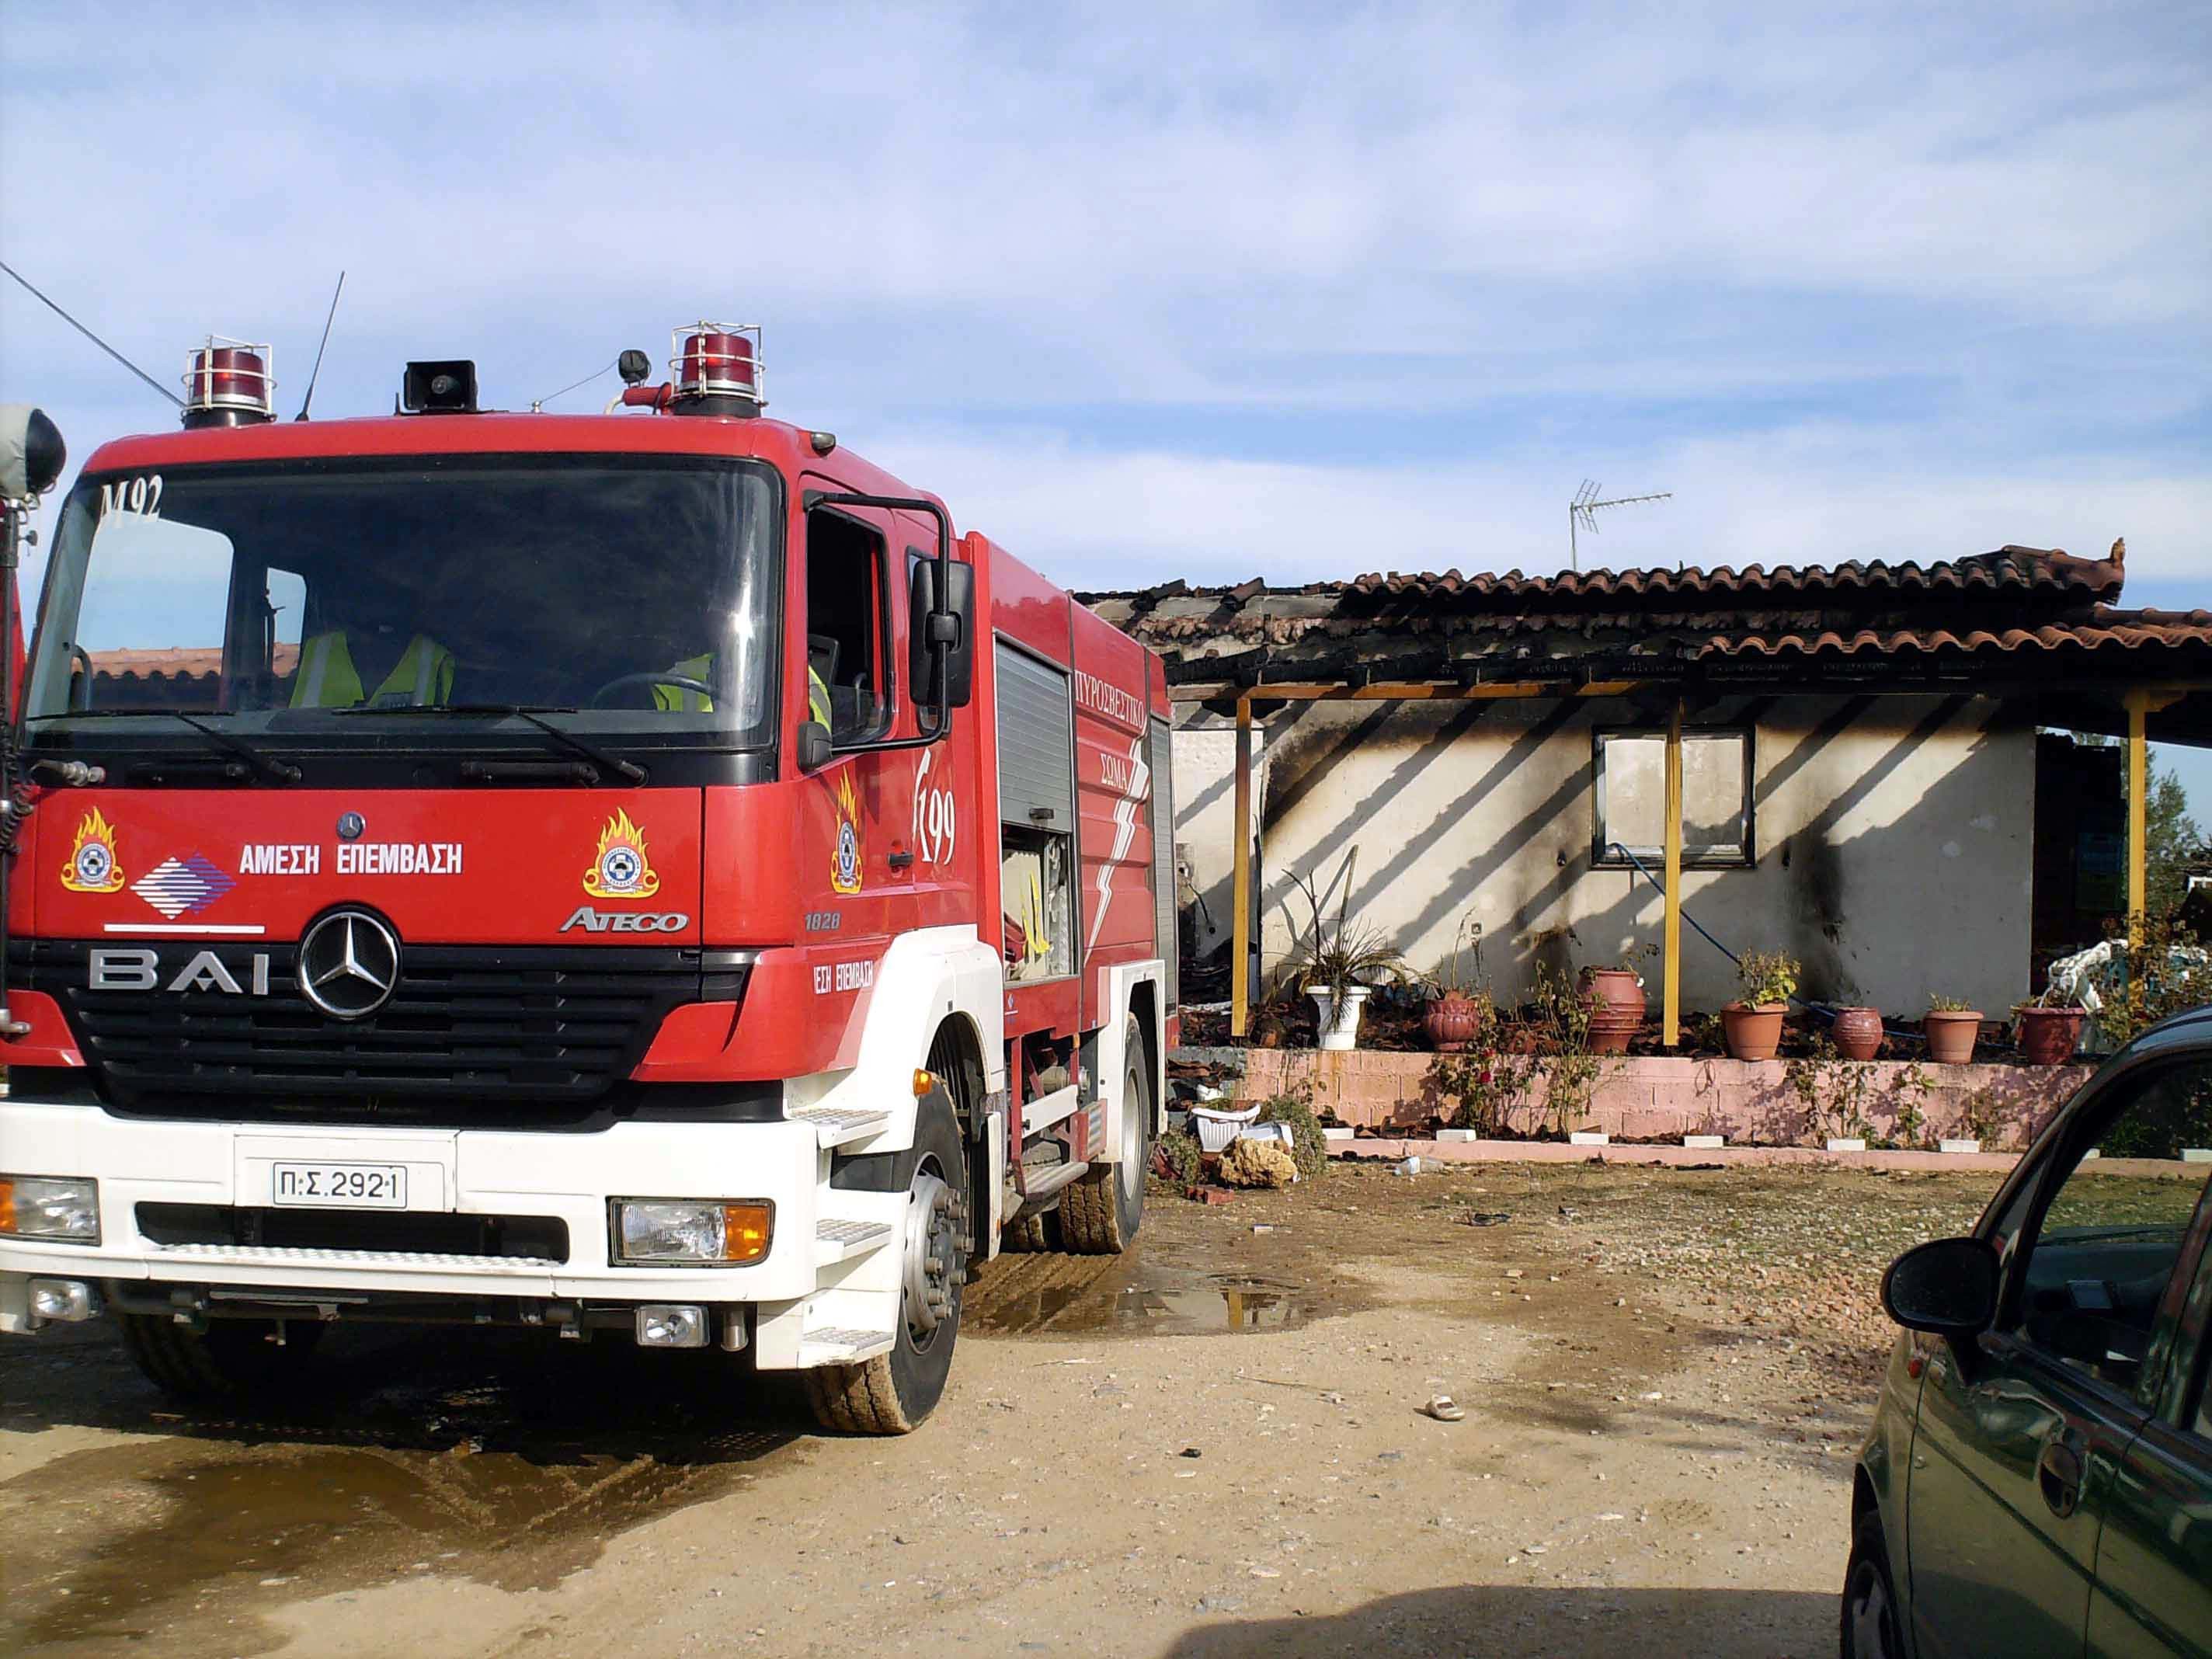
(260, 760)
(569, 740)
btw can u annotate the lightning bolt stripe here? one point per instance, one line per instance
(1125, 831)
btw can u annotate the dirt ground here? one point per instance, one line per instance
(1213, 1447)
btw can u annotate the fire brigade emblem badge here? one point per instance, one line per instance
(620, 870)
(845, 857)
(92, 867)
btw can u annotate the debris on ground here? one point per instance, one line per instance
(1445, 1409)
(1250, 1162)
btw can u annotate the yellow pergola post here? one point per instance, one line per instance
(2138, 813)
(1240, 902)
(1670, 1029)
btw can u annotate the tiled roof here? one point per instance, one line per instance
(2102, 630)
(179, 662)
(2008, 570)
(2008, 573)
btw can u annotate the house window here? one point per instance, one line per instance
(1630, 797)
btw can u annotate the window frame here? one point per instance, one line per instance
(1742, 856)
(887, 720)
(2159, 1391)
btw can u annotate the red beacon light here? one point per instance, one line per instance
(228, 383)
(718, 370)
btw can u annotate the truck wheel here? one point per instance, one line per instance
(1099, 1215)
(1032, 1235)
(233, 1359)
(893, 1392)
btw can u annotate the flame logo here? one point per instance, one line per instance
(845, 855)
(620, 869)
(92, 867)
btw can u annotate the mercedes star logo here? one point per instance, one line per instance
(348, 964)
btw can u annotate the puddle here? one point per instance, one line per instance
(509, 1465)
(1025, 1296)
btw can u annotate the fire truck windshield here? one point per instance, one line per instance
(630, 597)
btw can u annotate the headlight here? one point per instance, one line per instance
(709, 1232)
(50, 1206)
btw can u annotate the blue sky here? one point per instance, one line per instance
(1210, 291)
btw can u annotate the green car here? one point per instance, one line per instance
(2039, 1478)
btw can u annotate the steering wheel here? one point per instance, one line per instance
(624, 682)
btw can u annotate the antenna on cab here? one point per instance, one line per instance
(89, 335)
(315, 373)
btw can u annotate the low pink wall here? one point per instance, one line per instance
(1750, 1102)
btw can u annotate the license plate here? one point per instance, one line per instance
(339, 1186)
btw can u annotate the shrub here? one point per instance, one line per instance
(1767, 977)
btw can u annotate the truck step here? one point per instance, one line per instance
(841, 1240)
(831, 1346)
(840, 1127)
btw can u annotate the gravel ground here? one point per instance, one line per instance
(1213, 1447)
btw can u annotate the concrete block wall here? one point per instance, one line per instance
(1655, 1097)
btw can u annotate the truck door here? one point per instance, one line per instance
(848, 628)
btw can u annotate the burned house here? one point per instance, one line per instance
(1872, 765)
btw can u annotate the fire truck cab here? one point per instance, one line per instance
(638, 875)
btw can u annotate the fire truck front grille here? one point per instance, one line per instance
(498, 1028)
(217, 1226)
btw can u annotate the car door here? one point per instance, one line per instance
(2153, 1593)
(2020, 1433)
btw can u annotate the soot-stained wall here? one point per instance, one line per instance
(1892, 840)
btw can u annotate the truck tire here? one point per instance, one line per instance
(1100, 1214)
(894, 1392)
(232, 1360)
(1032, 1235)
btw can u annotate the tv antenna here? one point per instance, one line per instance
(1582, 513)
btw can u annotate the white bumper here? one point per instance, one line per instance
(568, 1176)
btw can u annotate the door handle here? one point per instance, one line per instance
(2059, 1472)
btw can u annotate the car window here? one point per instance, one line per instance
(2200, 1298)
(2095, 1267)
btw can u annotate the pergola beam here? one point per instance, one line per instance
(1670, 1029)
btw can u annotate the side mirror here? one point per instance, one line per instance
(1948, 1288)
(941, 634)
(814, 747)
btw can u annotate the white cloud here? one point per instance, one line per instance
(1968, 255)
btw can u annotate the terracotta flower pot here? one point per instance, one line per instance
(2048, 1036)
(1753, 1033)
(1951, 1035)
(1856, 1033)
(1452, 1021)
(1517, 1038)
(1616, 999)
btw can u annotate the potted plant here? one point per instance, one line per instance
(1951, 1028)
(1615, 995)
(1457, 1013)
(2050, 1030)
(1337, 965)
(1752, 1024)
(1856, 1033)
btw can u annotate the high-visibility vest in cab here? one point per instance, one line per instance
(422, 678)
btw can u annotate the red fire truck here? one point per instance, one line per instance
(636, 873)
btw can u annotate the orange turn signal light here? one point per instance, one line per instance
(923, 1083)
(746, 1228)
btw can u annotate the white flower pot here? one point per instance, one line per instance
(1339, 1022)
